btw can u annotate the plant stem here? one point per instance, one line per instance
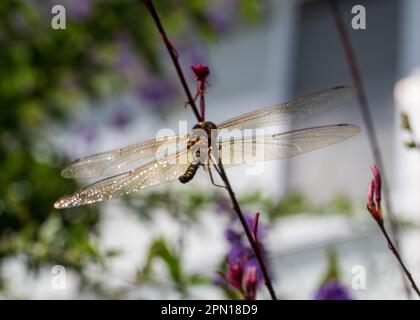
(222, 172)
(367, 119)
(247, 230)
(397, 255)
(174, 56)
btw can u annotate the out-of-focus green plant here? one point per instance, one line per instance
(107, 46)
(192, 202)
(331, 287)
(406, 126)
(295, 203)
(182, 281)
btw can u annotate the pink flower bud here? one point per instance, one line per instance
(374, 191)
(200, 72)
(377, 182)
(251, 283)
(371, 193)
(235, 272)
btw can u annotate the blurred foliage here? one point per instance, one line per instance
(159, 249)
(175, 203)
(406, 126)
(295, 203)
(332, 272)
(108, 46)
(191, 203)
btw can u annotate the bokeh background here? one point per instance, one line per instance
(106, 81)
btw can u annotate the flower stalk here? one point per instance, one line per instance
(200, 75)
(174, 56)
(374, 207)
(200, 117)
(367, 117)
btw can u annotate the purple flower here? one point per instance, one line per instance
(332, 290)
(80, 9)
(126, 59)
(88, 134)
(218, 19)
(196, 55)
(243, 270)
(157, 92)
(232, 236)
(237, 252)
(220, 16)
(222, 206)
(120, 119)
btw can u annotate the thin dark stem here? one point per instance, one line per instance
(174, 55)
(201, 89)
(248, 233)
(221, 171)
(367, 119)
(257, 217)
(394, 250)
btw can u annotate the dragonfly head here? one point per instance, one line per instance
(206, 126)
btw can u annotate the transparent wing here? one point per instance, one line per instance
(121, 160)
(292, 111)
(238, 151)
(157, 172)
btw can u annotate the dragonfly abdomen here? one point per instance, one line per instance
(190, 172)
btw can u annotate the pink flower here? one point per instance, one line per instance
(370, 193)
(242, 269)
(200, 72)
(377, 182)
(234, 275)
(374, 192)
(251, 282)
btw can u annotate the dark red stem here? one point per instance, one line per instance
(394, 250)
(174, 56)
(223, 175)
(248, 233)
(201, 90)
(367, 118)
(257, 217)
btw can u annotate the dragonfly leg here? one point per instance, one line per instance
(212, 180)
(195, 99)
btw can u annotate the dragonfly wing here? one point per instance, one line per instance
(292, 111)
(155, 173)
(245, 150)
(121, 160)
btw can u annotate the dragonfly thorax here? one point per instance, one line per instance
(204, 141)
(203, 136)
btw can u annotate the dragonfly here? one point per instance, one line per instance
(172, 158)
